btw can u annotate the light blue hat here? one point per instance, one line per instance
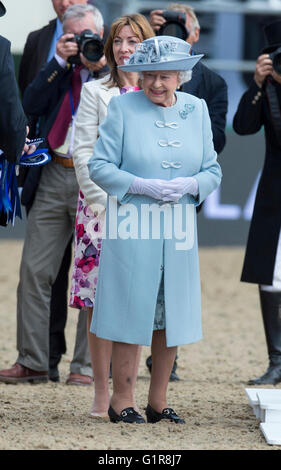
(161, 53)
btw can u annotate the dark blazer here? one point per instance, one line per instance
(42, 98)
(253, 113)
(35, 54)
(12, 118)
(212, 88)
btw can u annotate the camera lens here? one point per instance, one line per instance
(277, 63)
(174, 29)
(93, 50)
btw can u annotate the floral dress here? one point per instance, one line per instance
(86, 256)
(87, 250)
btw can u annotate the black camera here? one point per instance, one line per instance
(276, 60)
(175, 25)
(91, 46)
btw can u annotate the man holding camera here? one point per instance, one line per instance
(260, 107)
(180, 20)
(53, 96)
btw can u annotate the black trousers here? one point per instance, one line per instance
(58, 310)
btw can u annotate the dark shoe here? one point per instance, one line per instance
(54, 375)
(79, 379)
(271, 377)
(173, 377)
(21, 374)
(128, 415)
(167, 413)
(149, 363)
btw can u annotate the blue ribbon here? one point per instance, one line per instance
(9, 195)
(39, 157)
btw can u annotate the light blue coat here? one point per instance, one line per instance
(139, 138)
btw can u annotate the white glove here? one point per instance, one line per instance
(150, 187)
(178, 187)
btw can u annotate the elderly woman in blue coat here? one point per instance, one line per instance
(156, 161)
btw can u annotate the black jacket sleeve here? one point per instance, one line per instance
(12, 118)
(248, 118)
(46, 89)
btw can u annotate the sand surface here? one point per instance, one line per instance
(210, 395)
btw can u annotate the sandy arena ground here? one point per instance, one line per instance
(210, 395)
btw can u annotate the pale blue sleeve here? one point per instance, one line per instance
(210, 174)
(104, 165)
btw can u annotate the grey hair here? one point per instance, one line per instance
(183, 75)
(79, 11)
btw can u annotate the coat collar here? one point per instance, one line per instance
(107, 93)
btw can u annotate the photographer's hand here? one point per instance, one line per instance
(93, 66)
(66, 48)
(156, 19)
(263, 69)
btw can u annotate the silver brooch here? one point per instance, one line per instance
(188, 108)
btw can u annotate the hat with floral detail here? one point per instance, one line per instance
(161, 53)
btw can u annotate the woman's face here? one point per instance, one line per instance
(124, 44)
(160, 86)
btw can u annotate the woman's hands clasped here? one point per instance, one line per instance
(163, 190)
(178, 187)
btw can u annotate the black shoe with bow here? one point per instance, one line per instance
(167, 413)
(128, 415)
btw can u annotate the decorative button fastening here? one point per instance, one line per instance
(171, 125)
(171, 143)
(175, 165)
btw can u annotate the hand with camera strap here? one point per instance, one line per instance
(156, 19)
(66, 47)
(263, 69)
